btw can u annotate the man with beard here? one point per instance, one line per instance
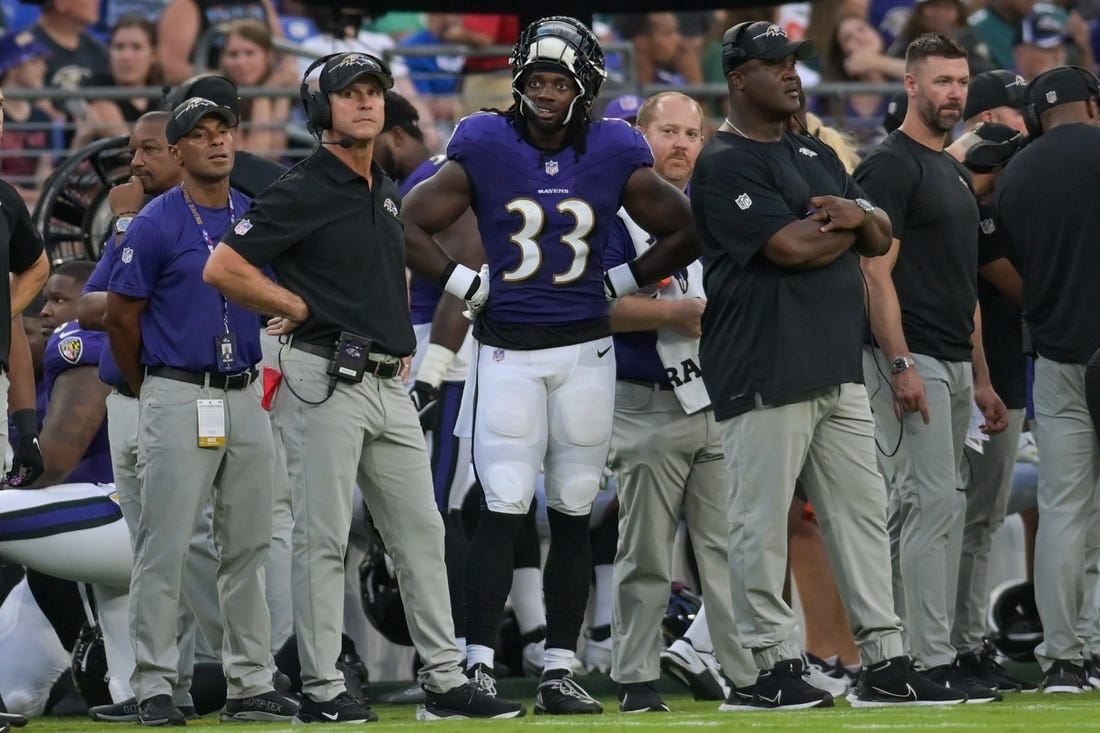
(924, 362)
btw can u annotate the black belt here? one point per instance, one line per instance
(649, 385)
(124, 390)
(216, 380)
(378, 367)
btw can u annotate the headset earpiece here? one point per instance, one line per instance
(316, 105)
(1031, 120)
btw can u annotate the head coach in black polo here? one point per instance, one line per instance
(782, 225)
(330, 230)
(1048, 215)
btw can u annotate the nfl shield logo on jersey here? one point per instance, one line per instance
(127, 254)
(498, 355)
(71, 349)
(551, 167)
(242, 227)
(743, 201)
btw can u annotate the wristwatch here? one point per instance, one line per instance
(868, 209)
(901, 363)
(122, 223)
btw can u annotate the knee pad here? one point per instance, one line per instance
(584, 417)
(509, 486)
(574, 495)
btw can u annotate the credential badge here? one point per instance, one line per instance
(743, 201)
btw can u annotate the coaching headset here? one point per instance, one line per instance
(316, 103)
(1031, 117)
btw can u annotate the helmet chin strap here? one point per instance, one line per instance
(527, 104)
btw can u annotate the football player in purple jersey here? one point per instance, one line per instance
(545, 182)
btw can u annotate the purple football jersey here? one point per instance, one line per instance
(545, 218)
(424, 294)
(69, 347)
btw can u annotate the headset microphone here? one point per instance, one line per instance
(344, 142)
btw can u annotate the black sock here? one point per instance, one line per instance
(566, 578)
(489, 574)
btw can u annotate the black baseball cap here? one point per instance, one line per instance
(992, 89)
(342, 70)
(1060, 86)
(761, 40)
(187, 115)
(215, 87)
(895, 111)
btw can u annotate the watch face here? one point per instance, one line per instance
(123, 224)
(865, 204)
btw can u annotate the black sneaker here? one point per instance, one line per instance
(740, 698)
(559, 694)
(11, 720)
(951, 677)
(984, 667)
(270, 707)
(411, 695)
(1065, 676)
(895, 682)
(783, 687)
(119, 712)
(482, 677)
(467, 701)
(159, 710)
(640, 697)
(341, 709)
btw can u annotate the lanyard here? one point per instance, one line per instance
(210, 243)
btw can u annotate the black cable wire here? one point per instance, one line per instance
(286, 381)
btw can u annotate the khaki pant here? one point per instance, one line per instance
(178, 480)
(367, 433)
(667, 463)
(827, 441)
(1069, 489)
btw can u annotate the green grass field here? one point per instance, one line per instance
(1031, 713)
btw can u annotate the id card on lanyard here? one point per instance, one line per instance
(225, 344)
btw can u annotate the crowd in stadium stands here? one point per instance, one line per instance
(103, 43)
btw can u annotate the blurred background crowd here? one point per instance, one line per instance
(74, 71)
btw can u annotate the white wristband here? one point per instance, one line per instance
(433, 366)
(621, 280)
(460, 281)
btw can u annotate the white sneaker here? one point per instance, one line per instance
(696, 670)
(816, 675)
(534, 659)
(596, 656)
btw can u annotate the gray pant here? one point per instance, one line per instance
(666, 462)
(1069, 488)
(988, 478)
(367, 432)
(177, 480)
(827, 441)
(926, 498)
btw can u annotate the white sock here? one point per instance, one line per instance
(527, 599)
(699, 634)
(601, 598)
(558, 659)
(477, 654)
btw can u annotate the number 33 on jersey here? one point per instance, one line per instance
(544, 218)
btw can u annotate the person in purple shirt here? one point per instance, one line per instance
(545, 182)
(189, 353)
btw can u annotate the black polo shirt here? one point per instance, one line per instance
(770, 333)
(339, 245)
(930, 200)
(1002, 322)
(1050, 220)
(20, 247)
